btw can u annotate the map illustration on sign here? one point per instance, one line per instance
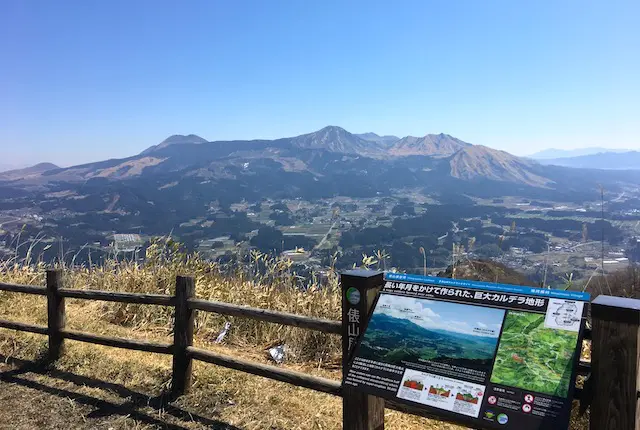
(488, 356)
(531, 356)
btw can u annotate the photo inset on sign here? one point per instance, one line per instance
(409, 330)
(533, 357)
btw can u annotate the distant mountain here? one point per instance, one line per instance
(27, 172)
(478, 161)
(434, 145)
(604, 160)
(553, 153)
(383, 140)
(336, 139)
(176, 139)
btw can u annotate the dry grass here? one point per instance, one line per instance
(98, 387)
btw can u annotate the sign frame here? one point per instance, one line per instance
(558, 416)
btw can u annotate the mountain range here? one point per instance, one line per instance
(195, 156)
(327, 162)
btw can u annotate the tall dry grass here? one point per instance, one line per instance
(263, 282)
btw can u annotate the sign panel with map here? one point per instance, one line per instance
(491, 356)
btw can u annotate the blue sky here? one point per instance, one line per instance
(88, 80)
(439, 315)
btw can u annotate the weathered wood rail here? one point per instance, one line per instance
(613, 382)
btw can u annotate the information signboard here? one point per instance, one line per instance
(490, 356)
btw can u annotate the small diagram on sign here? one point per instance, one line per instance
(413, 384)
(439, 391)
(526, 408)
(564, 315)
(528, 398)
(492, 400)
(467, 397)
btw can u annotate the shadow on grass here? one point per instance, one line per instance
(104, 408)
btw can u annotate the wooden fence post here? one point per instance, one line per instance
(359, 288)
(182, 336)
(615, 356)
(55, 314)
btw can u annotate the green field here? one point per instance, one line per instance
(532, 357)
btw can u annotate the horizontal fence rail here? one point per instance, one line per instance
(26, 289)
(272, 372)
(183, 351)
(117, 342)
(277, 317)
(23, 327)
(111, 296)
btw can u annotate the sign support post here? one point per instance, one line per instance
(360, 411)
(615, 363)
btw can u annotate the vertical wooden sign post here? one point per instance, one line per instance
(359, 289)
(615, 359)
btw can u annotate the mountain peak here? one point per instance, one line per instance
(434, 145)
(333, 129)
(176, 139)
(335, 139)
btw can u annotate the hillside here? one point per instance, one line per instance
(93, 386)
(480, 162)
(102, 387)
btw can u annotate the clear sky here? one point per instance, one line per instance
(88, 80)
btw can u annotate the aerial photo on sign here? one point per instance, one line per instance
(484, 355)
(406, 329)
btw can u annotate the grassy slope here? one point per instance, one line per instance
(98, 387)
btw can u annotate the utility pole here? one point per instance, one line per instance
(602, 228)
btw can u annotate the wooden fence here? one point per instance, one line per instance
(611, 390)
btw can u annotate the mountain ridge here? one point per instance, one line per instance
(438, 145)
(331, 150)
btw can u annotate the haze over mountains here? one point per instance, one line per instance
(603, 160)
(553, 153)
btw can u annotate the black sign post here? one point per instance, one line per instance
(359, 290)
(489, 356)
